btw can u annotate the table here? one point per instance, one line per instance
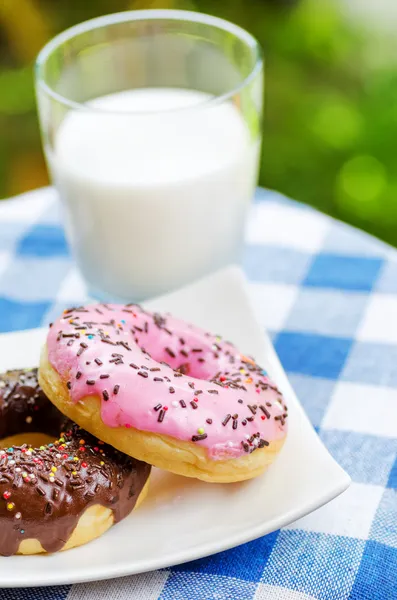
(328, 295)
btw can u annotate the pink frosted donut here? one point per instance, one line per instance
(164, 391)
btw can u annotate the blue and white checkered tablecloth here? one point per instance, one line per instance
(328, 295)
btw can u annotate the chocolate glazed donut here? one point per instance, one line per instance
(44, 492)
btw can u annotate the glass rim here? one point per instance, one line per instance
(143, 15)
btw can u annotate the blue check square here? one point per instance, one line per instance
(246, 561)
(21, 315)
(374, 364)
(328, 312)
(343, 272)
(377, 576)
(384, 526)
(314, 394)
(43, 241)
(367, 458)
(293, 564)
(310, 354)
(265, 263)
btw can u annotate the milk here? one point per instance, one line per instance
(155, 197)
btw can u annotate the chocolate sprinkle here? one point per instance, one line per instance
(198, 438)
(265, 411)
(226, 420)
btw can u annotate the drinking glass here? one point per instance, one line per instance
(151, 127)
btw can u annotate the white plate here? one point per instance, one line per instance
(184, 519)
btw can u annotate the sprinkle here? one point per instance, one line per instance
(200, 430)
(116, 389)
(18, 515)
(262, 443)
(209, 421)
(161, 416)
(28, 419)
(104, 376)
(102, 463)
(157, 407)
(143, 374)
(240, 401)
(6, 495)
(98, 362)
(90, 382)
(54, 469)
(264, 410)
(175, 403)
(182, 403)
(158, 379)
(213, 392)
(68, 385)
(226, 420)
(235, 423)
(10, 506)
(105, 395)
(134, 366)
(194, 405)
(252, 409)
(172, 390)
(198, 438)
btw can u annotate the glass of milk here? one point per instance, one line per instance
(151, 126)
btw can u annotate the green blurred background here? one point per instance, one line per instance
(331, 96)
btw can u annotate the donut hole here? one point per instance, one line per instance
(32, 438)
